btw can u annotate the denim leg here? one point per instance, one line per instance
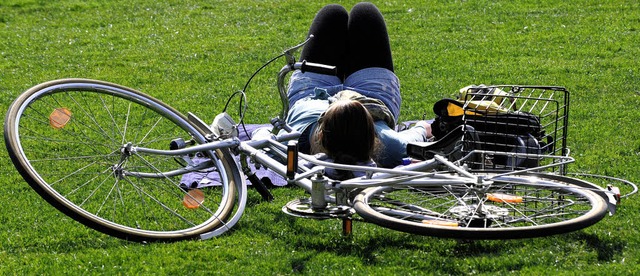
(302, 85)
(377, 83)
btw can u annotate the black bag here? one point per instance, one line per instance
(494, 130)
(513, 123)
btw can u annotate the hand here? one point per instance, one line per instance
(427, 127)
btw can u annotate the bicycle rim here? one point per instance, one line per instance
(521, 206)
(67, 139)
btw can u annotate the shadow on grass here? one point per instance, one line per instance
(369, 242)
(606, 248)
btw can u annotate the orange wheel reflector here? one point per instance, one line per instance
(440, 222)
(59, 118)
(193, 199)
(503, 198)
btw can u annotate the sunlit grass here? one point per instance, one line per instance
(194, 54)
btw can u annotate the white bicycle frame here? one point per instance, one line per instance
(322, 189)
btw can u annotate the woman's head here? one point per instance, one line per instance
(346, 132)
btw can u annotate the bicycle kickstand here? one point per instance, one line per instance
(260, 187)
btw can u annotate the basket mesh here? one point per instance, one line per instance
(514, 127)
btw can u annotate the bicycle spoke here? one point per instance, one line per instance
(511, 207)
(90, 115)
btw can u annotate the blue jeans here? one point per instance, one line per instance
(307, 104)
(377, 83)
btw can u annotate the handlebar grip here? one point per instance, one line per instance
(318, 68)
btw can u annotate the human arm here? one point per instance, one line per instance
(394, 144)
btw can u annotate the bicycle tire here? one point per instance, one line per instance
(66, 139)
(513, 207)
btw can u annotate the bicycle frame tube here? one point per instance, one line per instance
(415, 173)
(270, 163)
(426, 180)
(185, 170)
(228, 143)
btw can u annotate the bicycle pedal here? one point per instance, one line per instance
(613, 194)
(615, 191)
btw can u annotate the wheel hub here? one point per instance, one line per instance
(126, 151)
(485, 211)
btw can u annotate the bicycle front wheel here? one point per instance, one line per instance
(70, 139)
(511, 207)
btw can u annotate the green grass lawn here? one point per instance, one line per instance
(194, 54)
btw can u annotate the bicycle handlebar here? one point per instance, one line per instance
(306, 66)
(303, 66)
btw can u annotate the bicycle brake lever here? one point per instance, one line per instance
(289, 52)
(279, 124)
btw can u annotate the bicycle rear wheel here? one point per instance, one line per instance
(69, 139)
(520, 206)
